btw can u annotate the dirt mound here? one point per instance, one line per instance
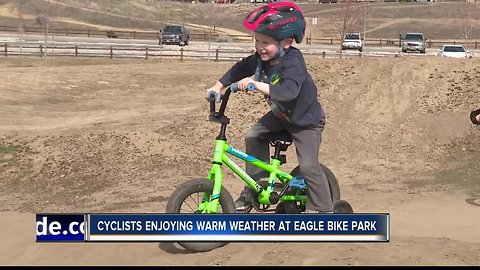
(85, 136)
(116, 142)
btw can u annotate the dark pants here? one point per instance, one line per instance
(307, 143)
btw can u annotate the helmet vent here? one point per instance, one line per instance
(259, 13)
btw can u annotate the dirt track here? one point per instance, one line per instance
(81, 136)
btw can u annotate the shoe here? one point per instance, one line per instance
(244, 202)
(308, 211)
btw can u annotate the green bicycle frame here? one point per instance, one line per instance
(222, 149)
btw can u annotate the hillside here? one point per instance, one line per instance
(384, 20)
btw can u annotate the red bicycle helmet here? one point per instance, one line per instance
(278, 20)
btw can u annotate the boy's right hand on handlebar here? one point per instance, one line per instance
(214, 92)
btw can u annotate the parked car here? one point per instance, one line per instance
(353, 41)
(414, 42)
(174, 34)
(455, 51)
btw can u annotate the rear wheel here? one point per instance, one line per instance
(332, 181)
(186, 199)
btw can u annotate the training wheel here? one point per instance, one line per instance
(342, 207)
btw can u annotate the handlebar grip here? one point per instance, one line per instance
(234, 87)
(213, 96)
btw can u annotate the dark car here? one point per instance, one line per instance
(174, 34)
(414, 42)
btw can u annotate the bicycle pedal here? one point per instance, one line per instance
(298, 183)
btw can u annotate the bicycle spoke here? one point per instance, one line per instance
(193, 209)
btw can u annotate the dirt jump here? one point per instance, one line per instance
(118, 136)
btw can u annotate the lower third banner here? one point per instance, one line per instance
(239, 227)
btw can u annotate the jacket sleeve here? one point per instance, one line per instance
(241, 69)
(293, 74)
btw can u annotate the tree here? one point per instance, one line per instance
(347, 20)
(365, 16)
(21, 30)
(468, 14)
(211, 19)
(44, 20)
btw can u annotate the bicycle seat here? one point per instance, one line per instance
(273, 137)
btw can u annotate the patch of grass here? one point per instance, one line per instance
(465, 176)
(8, 153)
(8, 148)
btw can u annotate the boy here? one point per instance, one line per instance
(281, 75)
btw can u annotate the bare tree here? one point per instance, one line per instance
(365, 16)
(44, 20)
(211, 19)
(347, 20)
(21, 30)
(467, 20)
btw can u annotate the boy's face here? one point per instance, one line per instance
(266, 46)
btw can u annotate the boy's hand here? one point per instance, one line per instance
(475, 117)
(217, 88)
(243, 83)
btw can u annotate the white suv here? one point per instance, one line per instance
(353, 41)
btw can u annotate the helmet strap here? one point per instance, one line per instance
(280, 50)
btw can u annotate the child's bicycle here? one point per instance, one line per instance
(208, 196)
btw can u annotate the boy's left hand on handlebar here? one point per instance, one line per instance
(243, 83)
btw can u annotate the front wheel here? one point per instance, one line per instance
(187, 199)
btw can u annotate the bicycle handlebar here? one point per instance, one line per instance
(214, 97)
(234, 87)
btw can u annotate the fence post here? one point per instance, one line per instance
(111, 52)
(323, 54)
(216, 55)
(331, 41)
(454, 42)
(475, 44)
(380, 42)
(41, 50)
(88, 32)
(76, 50)
(181, 54)
(6, 50)
(134, 34)
(146, 53)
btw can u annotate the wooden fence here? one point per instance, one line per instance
(474, 44)
(153, 52)
(119, 51)
(215, 36)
